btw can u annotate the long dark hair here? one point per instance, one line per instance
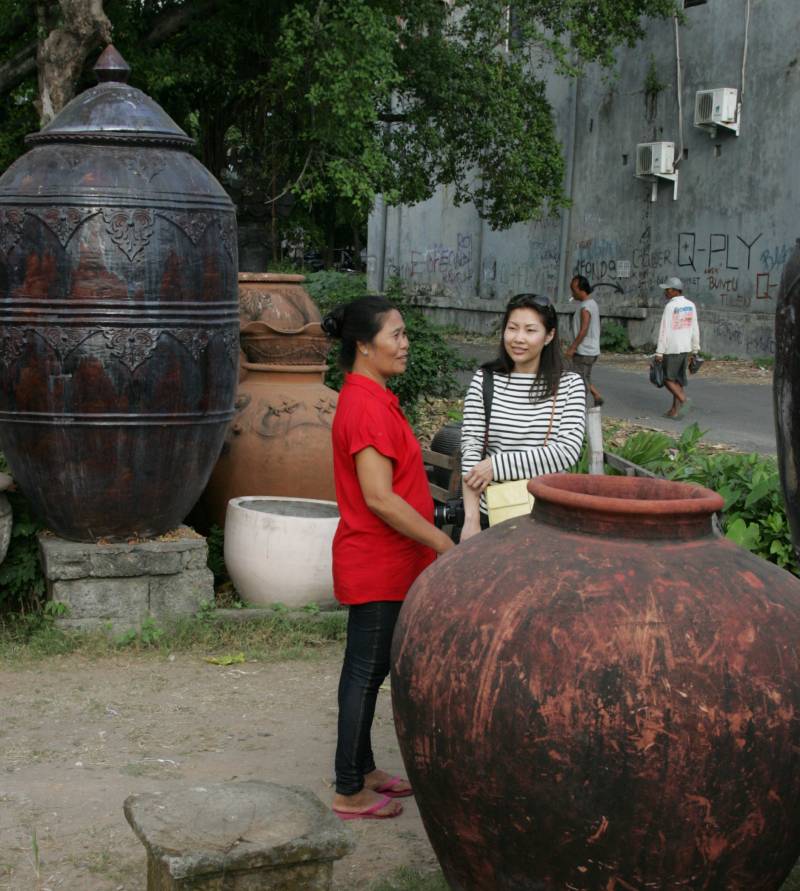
(545, 384)
(354, 323)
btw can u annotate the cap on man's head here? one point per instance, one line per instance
(672, 282)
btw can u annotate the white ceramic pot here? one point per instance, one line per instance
(278, 550)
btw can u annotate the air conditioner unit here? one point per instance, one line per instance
(717, 108)
(655, 158)
(654, 161)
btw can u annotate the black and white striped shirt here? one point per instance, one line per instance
(518, 427)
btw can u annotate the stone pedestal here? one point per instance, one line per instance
(122, 584)
(248, 836)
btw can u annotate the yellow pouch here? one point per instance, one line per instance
(507, 500)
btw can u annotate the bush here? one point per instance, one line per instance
(432, 361)
(614, 337)
(753, 515)
(22, 583)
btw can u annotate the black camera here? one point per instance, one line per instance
(451, 513)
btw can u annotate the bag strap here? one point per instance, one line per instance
(552, 415)
(488, 393)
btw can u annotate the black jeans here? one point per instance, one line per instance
(366, 665)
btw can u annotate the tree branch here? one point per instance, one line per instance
(174, 20)
(14, 70)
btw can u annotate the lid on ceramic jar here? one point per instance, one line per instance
(113, 111)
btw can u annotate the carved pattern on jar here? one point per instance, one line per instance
(12, 344)
(193, 339)
(130, 230)
(227, 231)
(193, 224)
(230, 338)
(11, 220)
(253, 303)
(325, 409)
(132, 346)
(64, 340)
(63, 222)
(148, 167)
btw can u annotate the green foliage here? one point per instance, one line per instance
(405, 879)
(614, 337)
(432, 362)
(753, 515)
(22, 583)
(276, 636)
(216, 554)
(333, 102)
(148, 636)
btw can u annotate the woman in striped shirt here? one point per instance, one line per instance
(531, 396)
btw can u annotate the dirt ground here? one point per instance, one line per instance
(77, 737)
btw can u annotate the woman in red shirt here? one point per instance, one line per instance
(385, 537)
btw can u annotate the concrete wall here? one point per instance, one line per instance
(728, 234)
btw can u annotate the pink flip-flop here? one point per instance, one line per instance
(388, 788)
(370, 813)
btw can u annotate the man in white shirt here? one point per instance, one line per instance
(678, 336)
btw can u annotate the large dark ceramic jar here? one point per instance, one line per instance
(604, 696)
(118, 316)
(786, 388)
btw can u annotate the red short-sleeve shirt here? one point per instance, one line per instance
(372, 561)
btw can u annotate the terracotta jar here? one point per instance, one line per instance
(280, 324)
(118, 316)
(279, 442)
(604, 695)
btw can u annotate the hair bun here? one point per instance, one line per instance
(332, 323)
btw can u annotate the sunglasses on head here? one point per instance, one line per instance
(519, 300)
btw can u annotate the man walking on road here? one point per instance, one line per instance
(678, 336)
(582, 353)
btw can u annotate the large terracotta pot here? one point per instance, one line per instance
(280, 322)
(604, 696)
(118, 316)
(279, 442)
(786, 389)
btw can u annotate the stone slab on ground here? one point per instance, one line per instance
(120, 584)
(252, 834)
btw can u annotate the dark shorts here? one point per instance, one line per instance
(582, 365)
(675, 365)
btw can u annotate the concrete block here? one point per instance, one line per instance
(238, 836)
(119, 600)
(182, 594)
(128, 560)
(119, 584)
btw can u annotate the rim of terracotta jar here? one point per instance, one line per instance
(636, 507)
(295, 369)
(259, 328)
(271, 277)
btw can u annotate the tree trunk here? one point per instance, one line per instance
(81, 26)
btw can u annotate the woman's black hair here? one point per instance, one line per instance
(583, 283)
(545, 384)
(354, 323)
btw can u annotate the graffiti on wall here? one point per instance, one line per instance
(730, 270)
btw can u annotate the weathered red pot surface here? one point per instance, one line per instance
(604, 696)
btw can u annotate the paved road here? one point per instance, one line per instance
(737, 414)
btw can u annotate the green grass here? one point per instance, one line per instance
(272, 638)
(405, 879)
